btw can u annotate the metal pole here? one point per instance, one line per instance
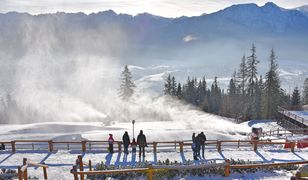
(133, 122)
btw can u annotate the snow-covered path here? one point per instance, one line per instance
(61, 162)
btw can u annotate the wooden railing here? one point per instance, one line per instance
(280, 132)
(293, 116)
(87, 145)
(23, 170)
(180, 146)
(151, 169)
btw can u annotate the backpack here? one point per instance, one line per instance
(193, 145)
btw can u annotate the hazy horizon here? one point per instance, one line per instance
(164, 8)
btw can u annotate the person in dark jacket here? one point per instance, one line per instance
(194, 146)
(198, 144)
(126, 142)
(142, 143)
(202, 142)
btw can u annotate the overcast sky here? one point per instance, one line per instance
(167, 8)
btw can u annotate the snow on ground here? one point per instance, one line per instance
(155, 131)
(303, 114)
(266, 125)
(61, 161)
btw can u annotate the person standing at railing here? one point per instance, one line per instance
(142, 142)
(202, 137)
(134, 145)
(194, 146)
(110, 142)
(198, 144)
(126, 142)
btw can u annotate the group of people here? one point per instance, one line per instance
(198, 144)
(141, 142)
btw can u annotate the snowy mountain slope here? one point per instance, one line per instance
(303, 9)
(66, 66)
(202, 43)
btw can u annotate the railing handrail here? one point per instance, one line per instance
(86, 145)
(114, 171)
(23, 170)
(150, 169)
(244, 166)
(289, 113)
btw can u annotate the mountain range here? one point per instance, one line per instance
(209, 44)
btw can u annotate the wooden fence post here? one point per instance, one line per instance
(255, 145)
(154, 147)
(181, 146)
(277, 131)
(80, 163)
(150, 173)
(19, 173)
(227, 168)
(74, 170)
(50, 146)
(298, 176)
(219, 146)
(83, 146)
(292, 146)
(13, 143)
(90, 165)
(45, 172)
(238, 145)
(25, 173)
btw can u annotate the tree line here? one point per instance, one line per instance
(248, 96)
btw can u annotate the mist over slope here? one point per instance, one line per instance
(67, 65)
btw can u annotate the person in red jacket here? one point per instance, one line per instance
(110, 142)
(134, 145)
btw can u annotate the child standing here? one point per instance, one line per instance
(134, 145)
(110, 142)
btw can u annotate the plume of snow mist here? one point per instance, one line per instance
(59, 77)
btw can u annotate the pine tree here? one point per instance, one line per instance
(305, 92)
(179, 93)
(127, 86)
(257, 100)
(173, 86)
(190, 91)
(232, 88)
(296, 99)
(272, 90)
(230, 100)
(215, 97)
(168, 86)
(199, 93)
(252, 73)
(242, 75)
(203, 90)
